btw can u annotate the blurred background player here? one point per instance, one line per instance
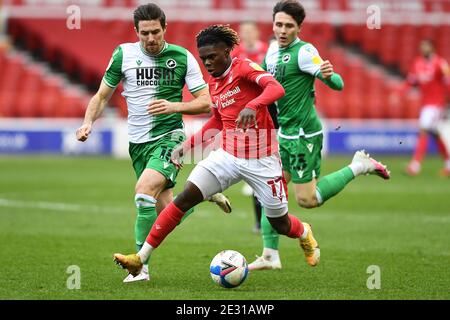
(251, 47)
(240, 90)
(431, 74)
(296, 64)
(153, 73)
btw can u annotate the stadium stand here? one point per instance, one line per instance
(385, 43)
(28, 90)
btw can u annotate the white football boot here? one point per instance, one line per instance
(142, 276)
(262, 263)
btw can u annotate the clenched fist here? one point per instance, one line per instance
(83, 132)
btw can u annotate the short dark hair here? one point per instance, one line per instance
(149, 11)
(215, 34)
(292, 8)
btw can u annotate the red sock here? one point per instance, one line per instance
(167, 221)
(421, 147)
(442, 147)
(297, 228)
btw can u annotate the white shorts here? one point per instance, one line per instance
(220, 170)
(430, 117)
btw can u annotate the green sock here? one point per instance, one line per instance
(269, 235)
(332, 184)
(144, 221)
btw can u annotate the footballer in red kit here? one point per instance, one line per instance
(244, 84)
(432, 76)
(241, 92)
(251, 47)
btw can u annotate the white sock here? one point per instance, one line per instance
(357, 168)
(415, 165)
(145, 251)
(271, 254)
(144, 268)
(305, 233)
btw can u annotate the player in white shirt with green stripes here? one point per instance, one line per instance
(153, 73)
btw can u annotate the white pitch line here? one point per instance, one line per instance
(72, 207)
(59, 206)
(240, 214)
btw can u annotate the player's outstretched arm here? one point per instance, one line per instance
(329, 77)
(94, 110)
(200, 104)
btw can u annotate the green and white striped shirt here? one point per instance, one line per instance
(149, 77)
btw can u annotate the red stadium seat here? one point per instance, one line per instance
(265, 31)
(375, 94)
(336, 55)
(325, 32)
(29, 91)
(2, 62)
(334, 104)
(355, 105)
(395, 110)
(7, 104)
(388, 50)
(352, 74)
(366, 93)
(353, 33)
(371, 40)
(443, 41)
(427, 31)
(49, 100)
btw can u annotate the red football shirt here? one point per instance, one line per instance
(244, 84)
(431, 76)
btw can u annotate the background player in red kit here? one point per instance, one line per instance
(431, 74)
(240, 91)
(250, 46)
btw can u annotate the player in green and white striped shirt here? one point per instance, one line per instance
(153, 73)
(296, 64)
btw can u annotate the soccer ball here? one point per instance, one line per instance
(229, 268)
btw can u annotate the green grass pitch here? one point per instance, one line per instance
(58, 212)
